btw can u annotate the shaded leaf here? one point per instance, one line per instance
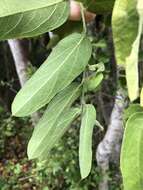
(34, 21)
(132, 154)
(93, 82)
(54, 122)
(99, 6)
(68, 59)
(85, 144)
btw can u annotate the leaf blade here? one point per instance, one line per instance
(54, 76)
(34, 22)
(124, 22)
(132, 73)
(131, 153)
(48, 124)
(93, 82)
(85, 145)
(16, 6)
(127, 32)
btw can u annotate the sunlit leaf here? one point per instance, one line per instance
(68, 59)
(132, 73)
(141, 98)
(125, 28)
(132, 153)
(85, 145)
(127, 32)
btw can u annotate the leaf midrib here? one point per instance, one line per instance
(84, 134)
(74, 114)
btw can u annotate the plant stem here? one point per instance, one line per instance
(84, 73)
(83, 91)
(83, 18)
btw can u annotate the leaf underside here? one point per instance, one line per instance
(11, 7)
(33, 22)
(68, 59)
(54, 122)
(85, 144)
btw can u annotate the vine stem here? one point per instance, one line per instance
(84, 73)
(83, 91)
(83, 18)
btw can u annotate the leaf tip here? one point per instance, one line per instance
(84, 175)
(30, 153)
(14, 109)
(141, 98)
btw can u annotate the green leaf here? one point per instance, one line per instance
(54, 122)
(68, 59)
(85, 145)
(133, 108)
(132, 153)
(141, 98)
(60, 128)
(127, 42)
(132, 73)
(11, 7)
(33, 22)
(99, 6)
(93, 82)
(125, 28)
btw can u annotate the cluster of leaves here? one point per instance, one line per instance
(53, 84)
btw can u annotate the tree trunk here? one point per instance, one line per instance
(21, 63)
(20, 59)
(113, 137)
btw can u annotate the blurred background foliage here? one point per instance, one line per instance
(60, 172)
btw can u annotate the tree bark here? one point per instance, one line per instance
(112, 139)
(20, 59)
(21, 63)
